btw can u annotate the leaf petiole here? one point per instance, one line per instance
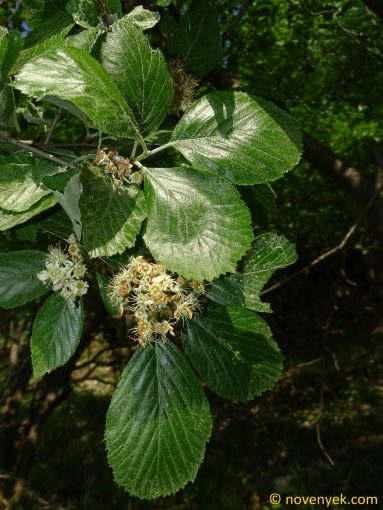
(148, 153)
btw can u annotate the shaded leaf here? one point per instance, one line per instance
(198, 39)
(28, 232)
(36, 11)
(103, 284)
(197, 224)
(111, 218)
(56, 334)
(234, 352)
(57, 182)
(261, 199)
(8, 118)
(69, 201)
(269, 253)
(87, 12)
(18, 277)
(246, 140)
(157, 424)
(57, 224)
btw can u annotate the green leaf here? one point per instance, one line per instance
(3, 44)
(111, 218)
(142, 18)
(157, 424)
(140, 72)
(57, 224)
(198, 39)
(246, 140)
(48, 36)
(197, 224)
(69, 201)
(18, 277)
(84, 40)
(69, 107)
(8, 118)
(56, 334)
(14, 44)
(58, 181)
(36, 12)
(269, 253)
(261, 199)
(21, 184)
(28, 232)
(103, 284)
(163, 3)
(74, 75)
(234, 352)
(10, 219)
(87, 12)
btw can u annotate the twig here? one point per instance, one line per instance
(319, 440)
(308, 363)
(95, 378)
(349, 32)
(93, 359)
(71, 145)
(53, 125)
(319, 13)
(336, 249)
(105, 18)
(324, 364)
(31, 148)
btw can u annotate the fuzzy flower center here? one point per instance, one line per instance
(157, 298)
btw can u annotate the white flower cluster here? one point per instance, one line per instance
(158, 299)
(118, 167)
(65, 271)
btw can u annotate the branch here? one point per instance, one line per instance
(376, 6)
(31, 148)
(336, 249)
(319, 13)
(336, 167)
(53, 125)
(105, 18)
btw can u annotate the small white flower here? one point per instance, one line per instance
(79, 270)
(43, 276)
(72, 239)
(65, 271)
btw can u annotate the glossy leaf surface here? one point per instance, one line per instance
(157, 424)
(234, 352)
(197, 224)
(111, 218)
(56, 334)
(72, 74)
(246, 140)
(269, 253)
(140, 72)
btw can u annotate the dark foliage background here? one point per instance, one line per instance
(320, 431)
